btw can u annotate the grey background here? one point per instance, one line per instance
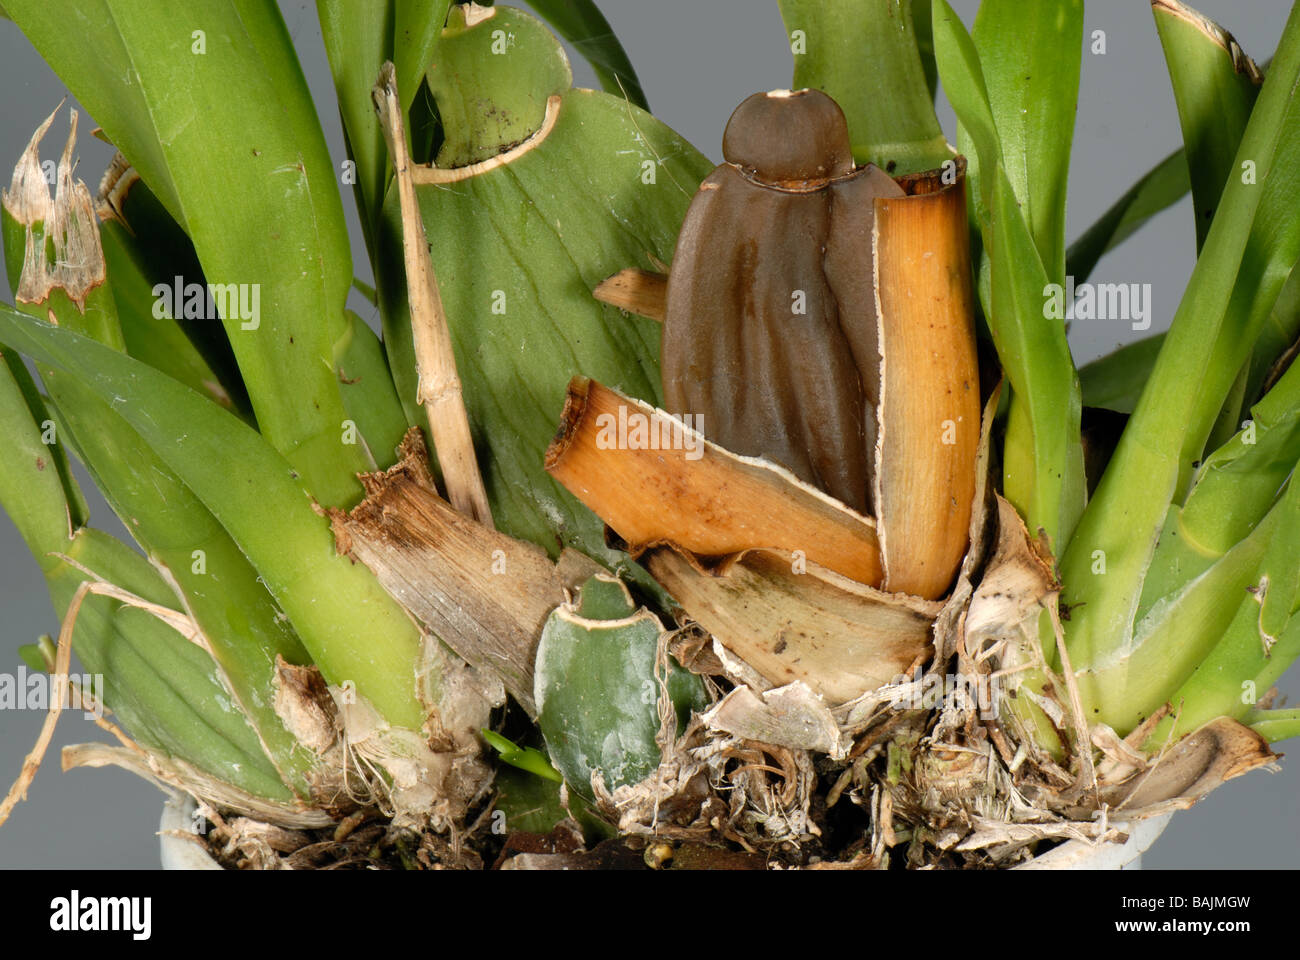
(697, 61)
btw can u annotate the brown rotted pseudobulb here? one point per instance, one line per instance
(770, 329)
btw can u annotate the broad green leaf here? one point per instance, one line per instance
(165, 689)
(1215, 85)
(206, 99)
(1115, 381)
(1029, 52)
(1164, 185)
(1240, 481)
(598, 688)
(864, 54)
(517, 249)
(37, 486)
(1248, 254)
(472, 58)
(242, 628)
(241, 624)
(583, 25)
(51, 503)
(352, 629)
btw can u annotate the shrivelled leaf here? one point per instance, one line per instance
(793, 621)
(518, 243)
(598, 688)
(1209, 756)
(484, 594)
(929, 412)
(890, 107)
(772, 340)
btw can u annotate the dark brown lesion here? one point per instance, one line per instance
(770, 321)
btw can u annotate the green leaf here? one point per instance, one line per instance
(517, 250)
(597, 688)
(55, 496)
(1281, 332)
(523, 758)
(1043, 473)
(242, 626)
(369, 395)
(530, 804)
(583, 25)
(1180, 624)
(1260, 643)
(1238, 482)
(1029, 53)
(1274, 725)
(360, 35)
(352, 629)
(148, 248)
(1164, 185)
(1215, 85)
(921, 28)
(1115, 381)
(1247, 257)
(512, 56)
(163, 688)
(222, 593)
(889, 106)
(207, 100)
